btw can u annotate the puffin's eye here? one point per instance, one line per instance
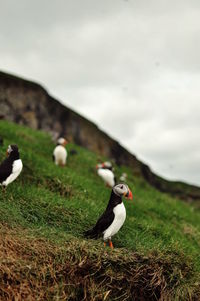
(121, 187)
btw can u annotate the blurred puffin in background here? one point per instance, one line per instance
(11, 167)
(114, 216)
(60, 152)
(123, 177)
(106, 174)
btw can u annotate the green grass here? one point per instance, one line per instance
(58, 204)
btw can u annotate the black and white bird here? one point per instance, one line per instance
(60, 152)
(107, 175)
(11, 167)
(114, 216)
(123, 177)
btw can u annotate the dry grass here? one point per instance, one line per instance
(35, 269)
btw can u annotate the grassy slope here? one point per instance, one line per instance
(53, 206)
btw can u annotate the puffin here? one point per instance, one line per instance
(123, 177)
(113, 217)
(11, 167)
(107, 175)
(60, 152)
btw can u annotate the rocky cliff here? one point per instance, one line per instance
(28, 103)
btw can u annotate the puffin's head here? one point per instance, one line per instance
(12, 148)
(123, 190)
(100, 165)
(62, 141)
(107, 164)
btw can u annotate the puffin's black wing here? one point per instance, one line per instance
(5, 170)
(102, 224)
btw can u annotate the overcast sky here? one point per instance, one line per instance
(131, 66)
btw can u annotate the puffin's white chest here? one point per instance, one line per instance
(120, 216)
(107, 175)
(60, 154)
(16, 170)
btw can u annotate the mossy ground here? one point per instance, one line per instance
(44, 213)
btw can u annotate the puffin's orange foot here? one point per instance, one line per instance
(110, 244)
(104, 243)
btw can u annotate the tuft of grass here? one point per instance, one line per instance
(44, 213)
(36, 269)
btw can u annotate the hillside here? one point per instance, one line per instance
(28, 103)
(44, 255)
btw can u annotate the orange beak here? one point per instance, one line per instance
(129, 195)
(7, 153)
